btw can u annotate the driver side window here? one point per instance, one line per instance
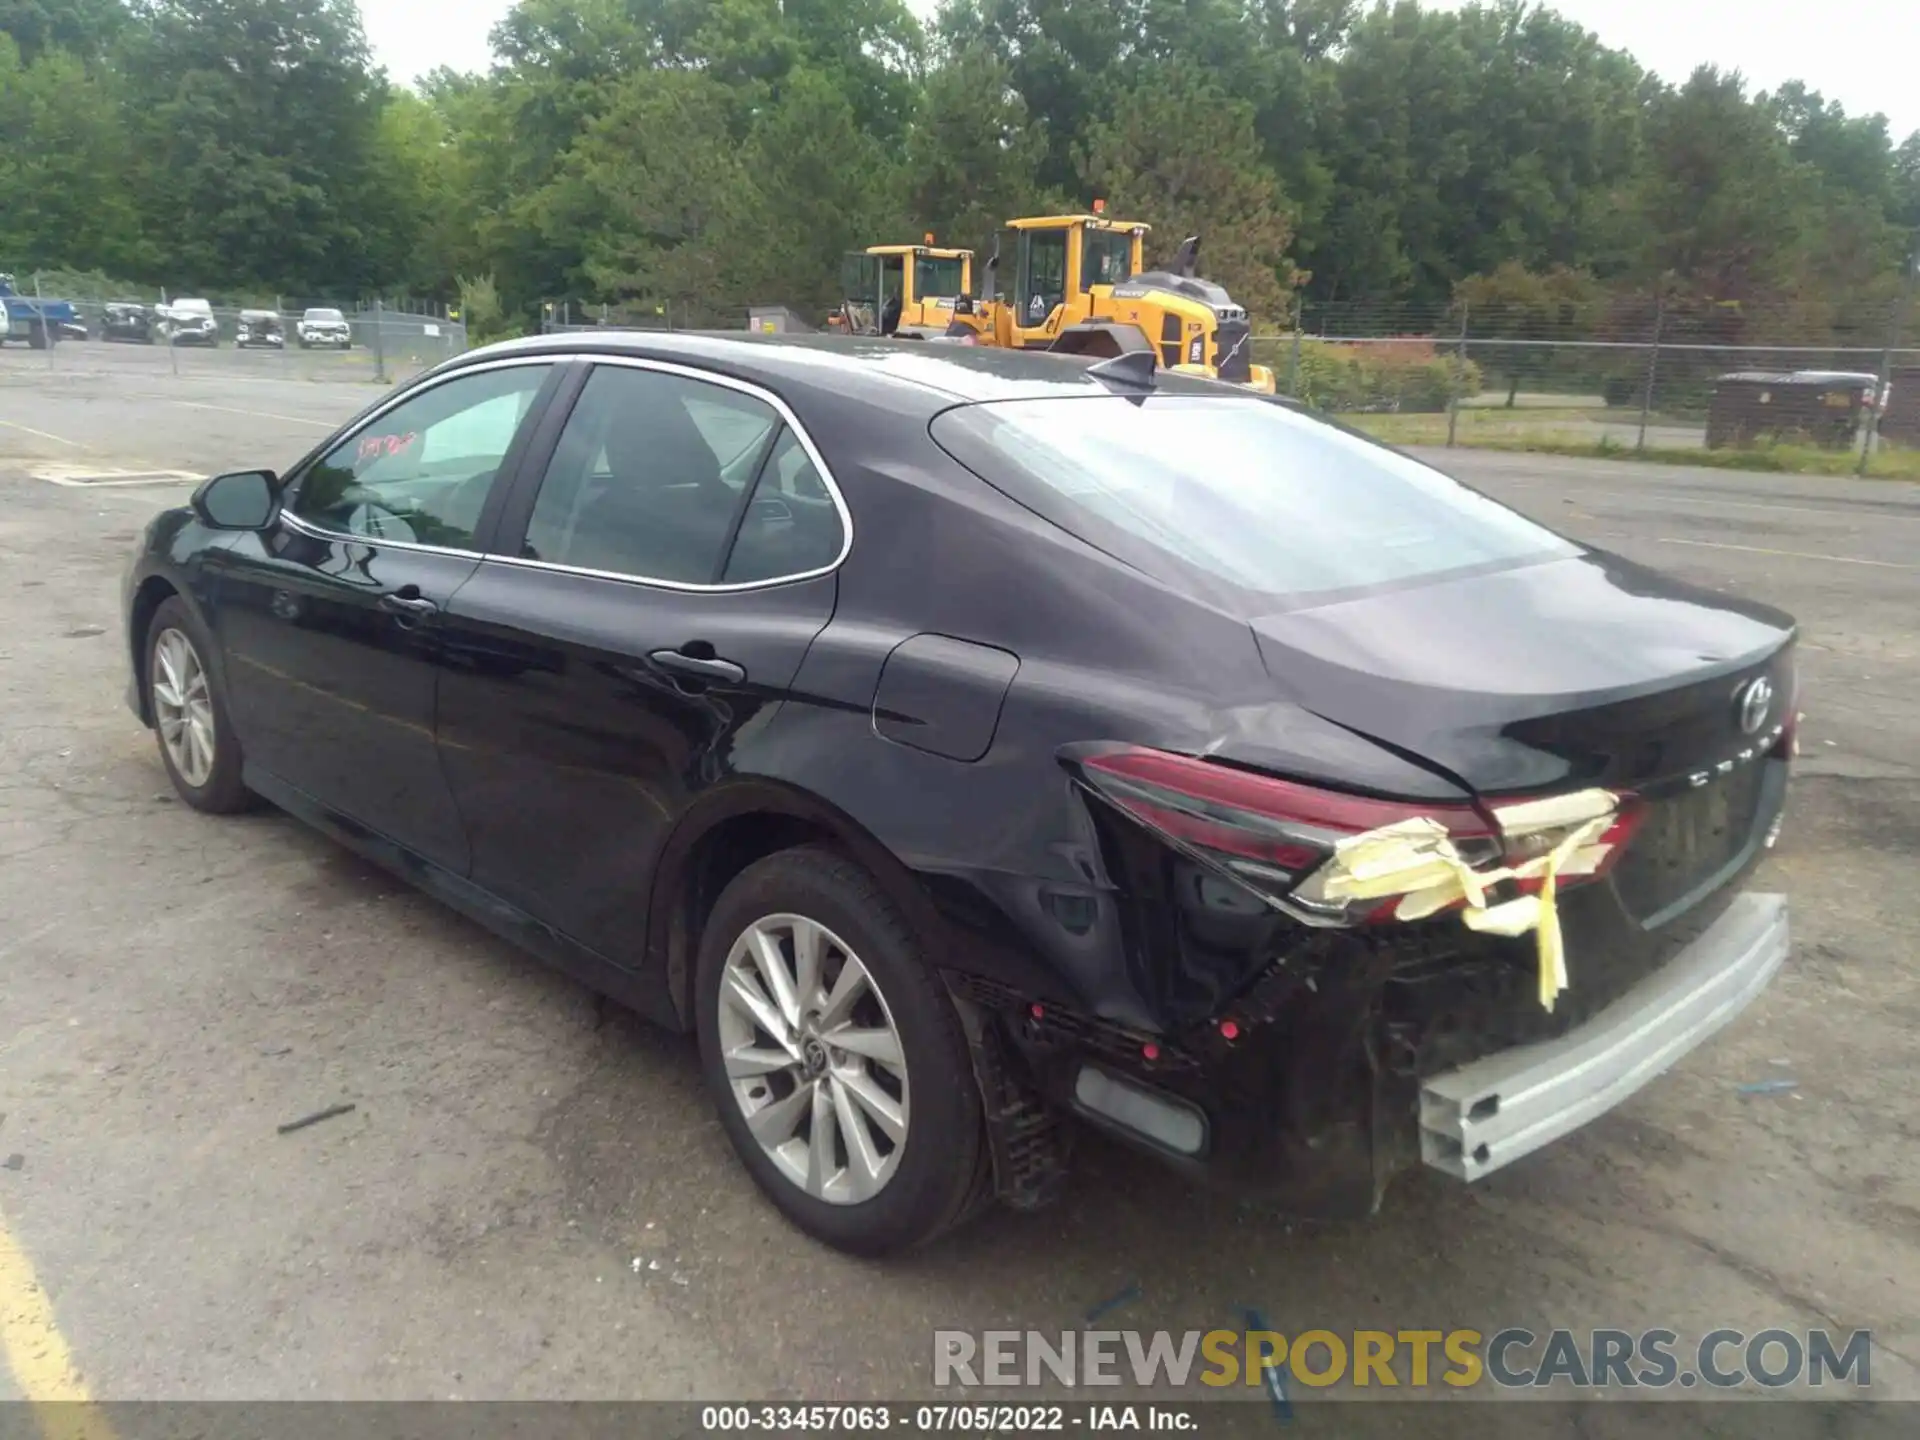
(421, 472)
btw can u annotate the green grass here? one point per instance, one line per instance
(1527, 435)
(1482, 425)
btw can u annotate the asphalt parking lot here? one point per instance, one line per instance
(532, 1198)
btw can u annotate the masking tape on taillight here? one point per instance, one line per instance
(1416, 859)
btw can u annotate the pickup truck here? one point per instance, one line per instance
(38, 322)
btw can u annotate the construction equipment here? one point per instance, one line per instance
(1080, 287)
(907, 290)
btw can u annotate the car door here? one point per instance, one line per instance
(328, 621)
(659, 581)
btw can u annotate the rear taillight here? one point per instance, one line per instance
(1298, 845)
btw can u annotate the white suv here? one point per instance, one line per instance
(324, 327)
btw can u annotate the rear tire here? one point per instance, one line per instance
(905, 1155)
(190, 715)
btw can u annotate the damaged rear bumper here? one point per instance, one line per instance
(1485, 1115)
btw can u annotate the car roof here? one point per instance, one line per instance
(924, 375)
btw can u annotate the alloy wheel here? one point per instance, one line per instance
(183, 707)
(814, 1059)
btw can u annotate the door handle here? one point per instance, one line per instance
(697, 668)
(409, 604)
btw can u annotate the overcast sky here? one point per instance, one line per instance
(1859, 52)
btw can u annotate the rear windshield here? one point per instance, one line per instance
(1244, 499)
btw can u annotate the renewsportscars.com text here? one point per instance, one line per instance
(1512, 1358)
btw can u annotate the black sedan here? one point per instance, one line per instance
(967, 745)
(134, 323)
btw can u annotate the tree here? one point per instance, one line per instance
(826, 186)
(414, 223)
(1064, 58)
(1514, 303)
(1388, 151)
(255, 123)
(85, 29)
(663, 222)
(974, 154)
(63, 167)
(1904, 203)
(1720, 201)
(1457, 140)
(1182, 156)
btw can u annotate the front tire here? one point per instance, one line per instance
(197, 744)
(836, 1060)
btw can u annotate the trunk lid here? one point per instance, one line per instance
(1579, 671)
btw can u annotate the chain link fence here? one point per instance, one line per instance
(566, 317)
(1793, 386)
(287, 337)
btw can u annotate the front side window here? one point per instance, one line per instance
(649, 476)
(1238, 497)
(421, 472)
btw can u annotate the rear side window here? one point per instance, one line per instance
(666, 478)
(648, 476)
(792, 527)
(1237, 497)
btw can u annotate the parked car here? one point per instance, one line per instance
(324, 328)
(966, 743)
(189, 322)
(120, 320)
(259, 329)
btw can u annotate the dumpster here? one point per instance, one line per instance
(1815, 407)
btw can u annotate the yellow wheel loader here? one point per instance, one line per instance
(1081, 287)
(907, 290)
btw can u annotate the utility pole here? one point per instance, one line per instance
(47, 333)
(1459, 379)
(1653, 366)
(1871, 436)
(1293, 359)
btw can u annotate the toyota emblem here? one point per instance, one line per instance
(1755, 705)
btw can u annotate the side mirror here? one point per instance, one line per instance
(245, 500)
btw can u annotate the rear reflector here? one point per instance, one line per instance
(1160, 1118)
